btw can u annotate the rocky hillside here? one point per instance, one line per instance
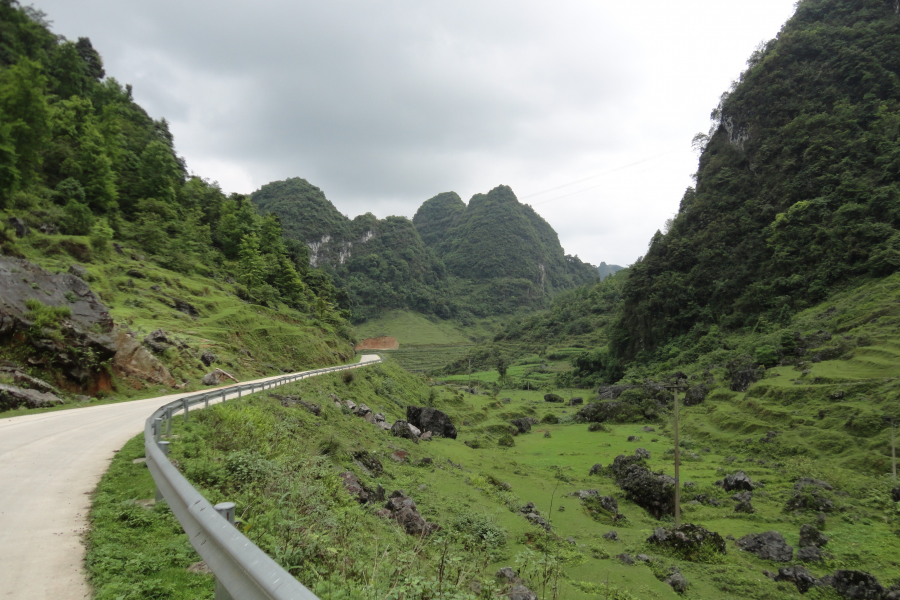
(798, 186)
(118, 271)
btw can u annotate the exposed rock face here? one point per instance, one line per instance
(84, 333)
(19, 226)
(217, 377)
(859, 585)
(133, 360)
(431, 419)
(688, 540)
(16, 397)
(27, 381)
(768, 546)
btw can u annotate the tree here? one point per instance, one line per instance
(24, 108)
(251, 263)
(93, 62)
(158, 172)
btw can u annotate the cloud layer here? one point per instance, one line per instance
(386, 104)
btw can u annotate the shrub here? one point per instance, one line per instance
(506, 440)
(765, 355)
(78, 219)
(479, 531)
(550, 418)
(598, 427)
(246, 466)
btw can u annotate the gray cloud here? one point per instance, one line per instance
(386, 104)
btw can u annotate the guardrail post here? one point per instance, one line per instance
(186, 405)
(226, 509)
(205, 400)
(157, 429)
(164, 447)
(239, 392)
(223, 397)
(169, 421)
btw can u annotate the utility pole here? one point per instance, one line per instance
(894, 447)
(677, 465)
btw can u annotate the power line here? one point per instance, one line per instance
(577, 181)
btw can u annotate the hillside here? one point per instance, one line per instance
(797, 188)
(455, 261)
(606, 270)
(120, 272)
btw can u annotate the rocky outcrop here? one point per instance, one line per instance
(132, 359)
(431, 419)
(217, 377)
(737, 482)
(402, 508)
(521, 425)
(655, 492)
(16, 397)
(290, 400)
(688, 541)
(23, 379)
(768, 546)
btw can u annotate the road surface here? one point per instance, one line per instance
(50, 464)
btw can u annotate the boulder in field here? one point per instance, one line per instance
(769, 545)
(431, 419)
(553, 398)
(217, 377)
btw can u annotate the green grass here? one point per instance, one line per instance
(542, 470)
(250, 341)
(415, 329)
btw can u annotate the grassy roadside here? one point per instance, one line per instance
(280, 465)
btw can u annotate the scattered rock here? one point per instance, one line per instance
(811, 536)
(768, 546)
(217, 377)
(858, 585)
(425, 437)
(576, 401)
(799, 576)
(596, 469)
(611, 535)
(655, 492)
(633, 438)
(811, 494)
(744, 375)
(837, 395)
(133, 360)
(208, 358)
(625, 558)
(187, 308)
(16, 397)
(895, 494)
(520, 592)
(48, 229)
(647, 429)
(399, 456)
(642, 558)
(289, 401)
(678, 581)
(431, 419)
(19, 226)
(135, 273)
(402, 429)
(25, 380)
(809, 554)
(506, 400)
(158, 341)
(403, 510)
(362, 410)
(354, 487)
(688, 540)
(743, 502)
(522, 425)
(532, 514)
(738, 481)
(696, 395)
(553, 398)
(508, 575)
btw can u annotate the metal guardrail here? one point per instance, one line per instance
(242, 570)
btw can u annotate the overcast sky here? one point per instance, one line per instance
(586, 109)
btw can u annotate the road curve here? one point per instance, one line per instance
(50, 464)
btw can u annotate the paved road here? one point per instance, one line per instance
(49, 465)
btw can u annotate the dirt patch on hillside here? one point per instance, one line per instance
(378, 343)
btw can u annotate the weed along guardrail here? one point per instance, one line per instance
(243, 571)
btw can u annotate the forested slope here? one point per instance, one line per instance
(492, 256)
(88, 177)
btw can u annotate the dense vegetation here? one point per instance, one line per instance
(79, 157)
(798, 187)
(454, 261)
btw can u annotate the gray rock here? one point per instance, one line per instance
(425, 437)
(799, 576)
(596, 469)
(16, 397)
(553, 398)
(611, 535)
(809, 554)
(647, 429)
(507, 574)
(217, 377)
(642, 453)
(379, 417)
(811, 536)
(696, 395)
(768, 546)
(19, 226)
(520, 592)
(25, 380)
(208, 358)
(858, 585)
(430, 419)
(362, 410)
(401, 429)
(738, 481)
(187, 308)
(523, 425)
(158, 341)
(78, 271)
(678, 582)
(576, 401)
(625, 558)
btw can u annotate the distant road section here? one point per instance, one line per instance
(379, 343)
(49, 465)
